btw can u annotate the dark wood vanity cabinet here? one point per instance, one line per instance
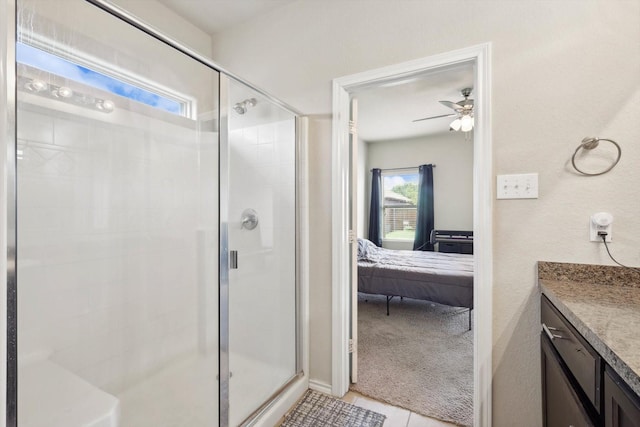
(621, 404)
(571, 373)
(578, 388)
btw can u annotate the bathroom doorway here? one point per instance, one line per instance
(343, 292)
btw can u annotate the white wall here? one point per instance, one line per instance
(452, 176)
(561, 70)
(319, 257)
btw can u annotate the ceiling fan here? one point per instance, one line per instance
(463, 112)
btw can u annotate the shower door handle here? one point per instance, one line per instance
(233, 260)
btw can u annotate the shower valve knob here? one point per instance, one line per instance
(249, 219)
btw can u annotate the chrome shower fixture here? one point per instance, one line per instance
(243, 106)
(249, 219)
(65, 94)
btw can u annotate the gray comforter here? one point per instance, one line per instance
(444, 278)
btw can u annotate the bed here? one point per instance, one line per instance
(444, 278)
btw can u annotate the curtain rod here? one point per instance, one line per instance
(399, 169)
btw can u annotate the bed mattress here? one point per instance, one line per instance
(445, 278)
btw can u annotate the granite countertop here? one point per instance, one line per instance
(603, 304)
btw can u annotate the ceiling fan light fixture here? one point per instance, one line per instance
(466, 123)
(462, 110)
(456, 124)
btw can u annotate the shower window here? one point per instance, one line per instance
(68, 66)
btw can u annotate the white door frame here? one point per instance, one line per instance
(480, 56)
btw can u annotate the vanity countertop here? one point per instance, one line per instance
(604, 307)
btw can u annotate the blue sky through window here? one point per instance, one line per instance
(45, 61)
(391, 181)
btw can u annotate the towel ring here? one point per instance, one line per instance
(589, 143)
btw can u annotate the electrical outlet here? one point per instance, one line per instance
(600, 222)
(517, 186)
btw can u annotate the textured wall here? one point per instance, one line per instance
(319, 254)
(562, 70)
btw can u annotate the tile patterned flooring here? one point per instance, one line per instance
(396, 417)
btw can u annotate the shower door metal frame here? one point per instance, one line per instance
(223, 268)
(9, 204)
(8, 111)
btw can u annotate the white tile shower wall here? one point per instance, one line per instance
(262, 338)
(208, 245)
(107, 246)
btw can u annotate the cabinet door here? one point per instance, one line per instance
(621, 405)
(561, 405)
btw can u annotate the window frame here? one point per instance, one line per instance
(187, 103)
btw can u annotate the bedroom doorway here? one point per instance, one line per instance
(411, 308)
(345, 202)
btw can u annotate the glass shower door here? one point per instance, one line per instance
(117, 181)
(258, 229)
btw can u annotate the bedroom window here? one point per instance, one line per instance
(399, 204)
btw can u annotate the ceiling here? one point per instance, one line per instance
(387, 112)
(214, 16)
(384, 113)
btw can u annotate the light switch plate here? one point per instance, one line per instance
(517, 186)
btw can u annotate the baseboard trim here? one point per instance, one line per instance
(320, 386)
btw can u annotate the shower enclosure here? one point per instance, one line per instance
(156, 230)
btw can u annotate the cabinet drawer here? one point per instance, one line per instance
(561, 405)
(581, 359)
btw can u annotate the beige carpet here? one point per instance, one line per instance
(418, 358)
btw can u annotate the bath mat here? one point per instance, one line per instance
(320, 410)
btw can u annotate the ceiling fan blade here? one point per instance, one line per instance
(435, 117)
(451, 105)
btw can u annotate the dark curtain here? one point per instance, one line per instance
(375, 217)
(424, 221)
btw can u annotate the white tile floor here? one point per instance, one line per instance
(396, 417)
